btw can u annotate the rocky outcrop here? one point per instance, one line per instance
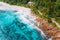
(49, 30)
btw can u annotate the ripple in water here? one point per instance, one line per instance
(14, 27)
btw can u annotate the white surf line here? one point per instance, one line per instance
(31, 21)
(26, 17)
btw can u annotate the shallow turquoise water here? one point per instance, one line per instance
(12, 28)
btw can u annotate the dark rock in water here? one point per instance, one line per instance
(11, 28)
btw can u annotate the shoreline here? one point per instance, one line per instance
(48, 29)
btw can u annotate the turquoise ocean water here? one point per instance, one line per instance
(13, 28)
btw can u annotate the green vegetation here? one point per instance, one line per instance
(58, 20)
(49, 8)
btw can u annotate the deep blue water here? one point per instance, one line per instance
(12, 28)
